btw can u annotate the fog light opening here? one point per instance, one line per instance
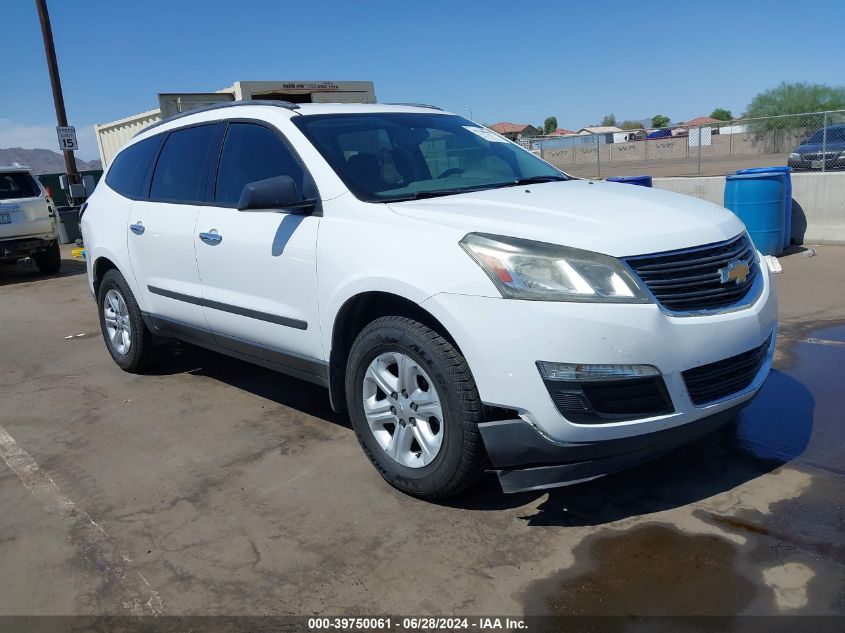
(577, 372)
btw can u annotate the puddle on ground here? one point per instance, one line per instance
(798, 415)
(654, 569)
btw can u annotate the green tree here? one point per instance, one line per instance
(609, 119)
(722, 114)
(631, 125)
(806, 99)
(796, 98)
(659, 120)
(549, 125)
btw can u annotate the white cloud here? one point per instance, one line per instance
(14, 134)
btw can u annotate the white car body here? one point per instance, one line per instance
(410, 250)
(27, 222)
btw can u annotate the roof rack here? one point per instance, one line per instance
(418, 105)
(287, 105)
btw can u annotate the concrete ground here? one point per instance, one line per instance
(216, 487)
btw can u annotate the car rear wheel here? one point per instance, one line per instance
(415, 408)
(49, 260)
(128, 340)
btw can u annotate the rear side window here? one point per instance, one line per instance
(130, 166)
(18, 185)
(180, 170)
(250, 153)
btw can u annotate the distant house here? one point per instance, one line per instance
(605, 132)
(600, 129)
(515, 131)
(562, 132)
(701, 120)
(629, 135)
(716, 126)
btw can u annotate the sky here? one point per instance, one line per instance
(491, 60)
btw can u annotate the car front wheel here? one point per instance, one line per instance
(127, 338)
(415, 408)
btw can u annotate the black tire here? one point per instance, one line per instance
(49, 260)
(143, 353)
(461, 459)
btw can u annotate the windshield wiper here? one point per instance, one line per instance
(535, 179)
(420, 195)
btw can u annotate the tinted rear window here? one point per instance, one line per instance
(18, 185)
(180, 170)
(130, 166)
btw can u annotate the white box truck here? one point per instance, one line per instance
(112, 136)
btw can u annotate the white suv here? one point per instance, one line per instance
(470, 306)
(28, 220)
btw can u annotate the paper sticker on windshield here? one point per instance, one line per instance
(487, 135)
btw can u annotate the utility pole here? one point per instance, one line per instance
(56, 84)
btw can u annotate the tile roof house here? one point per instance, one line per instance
(701, 120)
(514, 131)
(562, 132)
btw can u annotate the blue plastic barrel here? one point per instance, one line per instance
(759, 201)
(642, 181)
(787, 220)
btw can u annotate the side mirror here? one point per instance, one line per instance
(273, 194)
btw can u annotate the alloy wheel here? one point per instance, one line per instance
(118, 326)
(403, 409)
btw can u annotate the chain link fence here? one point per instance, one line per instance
(806, 142)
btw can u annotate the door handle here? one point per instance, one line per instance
(137, 228)
(212, 237)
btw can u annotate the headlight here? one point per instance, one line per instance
(525, 269)
(795, 156)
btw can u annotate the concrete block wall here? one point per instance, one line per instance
(818, 202)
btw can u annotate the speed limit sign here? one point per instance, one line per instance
(67, 138)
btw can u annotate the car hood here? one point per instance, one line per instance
(611, 218)
(831, 146)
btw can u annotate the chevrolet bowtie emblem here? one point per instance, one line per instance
(735, 271)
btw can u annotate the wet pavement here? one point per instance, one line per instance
(654, 570)
(216, 487)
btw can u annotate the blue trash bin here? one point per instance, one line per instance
(787, 220)
(759, 201)
(642, 181)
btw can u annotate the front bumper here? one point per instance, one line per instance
(525, 460)
(503, 339)
(813, 165)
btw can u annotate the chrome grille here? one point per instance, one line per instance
(820, 155)
(690, 279)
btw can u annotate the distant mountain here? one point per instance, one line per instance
(43, 161)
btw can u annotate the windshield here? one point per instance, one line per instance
(384, 157)
(17, 185)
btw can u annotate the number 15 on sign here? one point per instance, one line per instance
(67, 138)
